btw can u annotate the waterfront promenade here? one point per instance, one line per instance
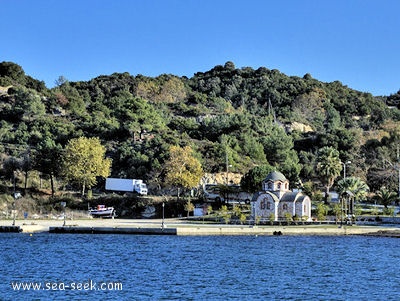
(187, 227)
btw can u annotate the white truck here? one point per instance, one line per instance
(226, 194)
(128, 185)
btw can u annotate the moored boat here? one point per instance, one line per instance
(102, 211)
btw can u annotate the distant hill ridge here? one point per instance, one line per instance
(240, 117)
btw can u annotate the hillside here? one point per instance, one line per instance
(238, 117)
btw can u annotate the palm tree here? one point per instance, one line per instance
(385, 197)
(354, 188)
(329, 166)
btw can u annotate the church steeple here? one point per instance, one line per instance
(276, 183)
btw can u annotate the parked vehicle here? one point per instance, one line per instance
(127, 185)
(226, 194)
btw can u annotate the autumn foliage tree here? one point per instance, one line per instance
(84, 160)
(183, 170)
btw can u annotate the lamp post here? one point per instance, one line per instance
(344, 168)
(13, 212)
(227, 178)
(13, 204)
(162, 223)
(351, 205)
(344, 178)
(341, 214)
(64, 204)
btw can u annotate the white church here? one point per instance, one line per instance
(277, 201)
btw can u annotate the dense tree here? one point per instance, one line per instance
(278, 148)
(11, 72)
(139, 114)
(147, 89)
(22, 134)
(308, 163)
(173, 90)
(6, 133)
(75, 102)
(183, 169)
(134, 160)
(253, 149)
(309, 109)
(237, 113)
(47, 160)
(251, 181)
(26, 167)
(10, 166)
(28, 103)
(84, 160)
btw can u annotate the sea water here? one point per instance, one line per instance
(137, 267)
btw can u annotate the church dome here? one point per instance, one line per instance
(275, 176)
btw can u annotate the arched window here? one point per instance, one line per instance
(262, 204)
(285, 207)
(269, 185)
(268, 205)
(279, 186)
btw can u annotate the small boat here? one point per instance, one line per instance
(102, 211)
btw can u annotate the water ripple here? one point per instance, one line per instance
(203, 268)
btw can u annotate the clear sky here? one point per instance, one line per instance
(354, 41)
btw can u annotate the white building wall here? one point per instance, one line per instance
(260, 207)
(304, 208)
(299, 209)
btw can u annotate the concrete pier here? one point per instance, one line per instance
(5, 229)
(185, 227)
(113, 230)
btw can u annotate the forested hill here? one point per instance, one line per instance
(237, 116)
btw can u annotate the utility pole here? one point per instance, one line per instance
(227, 168)
(227, 176)
(398, 170)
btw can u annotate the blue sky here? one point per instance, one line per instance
(354, 41)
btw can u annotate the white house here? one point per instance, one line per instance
(276, 201)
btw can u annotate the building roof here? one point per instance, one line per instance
(275, 176)
(258, 194)
(289, 196)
